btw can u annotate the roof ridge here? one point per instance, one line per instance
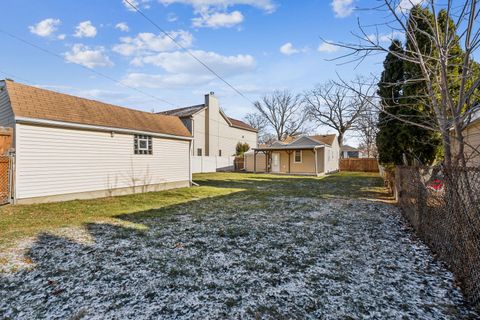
(183, 108)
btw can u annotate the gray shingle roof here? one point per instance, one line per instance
(184, 112)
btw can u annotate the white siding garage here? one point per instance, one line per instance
(68, 147)
(53, 161)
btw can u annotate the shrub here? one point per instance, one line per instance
(241, 148)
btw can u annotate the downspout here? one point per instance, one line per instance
(316, 161)
(13, 169)
(190, 162)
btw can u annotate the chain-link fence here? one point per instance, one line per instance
(444, 208)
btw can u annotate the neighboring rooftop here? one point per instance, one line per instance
(189, 111)
(36, 103)
(185, 111)
(347, 148)
(242, 125)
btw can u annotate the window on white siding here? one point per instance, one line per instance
(199, 152)
(298, 156)
(143, 144)
(220, 153)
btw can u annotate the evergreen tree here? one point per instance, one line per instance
(390, 142)
(423, 144)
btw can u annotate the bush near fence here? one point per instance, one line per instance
(359, 164)
(443, 206)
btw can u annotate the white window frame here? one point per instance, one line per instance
(139, 141)
(148, 149)
(295, 156)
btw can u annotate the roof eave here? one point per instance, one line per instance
(289, 148)
(74, 125)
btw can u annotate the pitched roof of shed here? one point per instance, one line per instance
(325, 138)
(301, 142)
(33, 102)
(322, 138)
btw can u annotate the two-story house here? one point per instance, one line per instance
(215, 135)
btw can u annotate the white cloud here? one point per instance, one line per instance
(385, 37)
(342, 8)
(122, 26)
(201, 5)
(45, 28)
(85, 29)
(218, 20)
(406, 5)
(327, 47)
(288, 49)
(145, 43)
(140, 4)
(145, 80)
(388, 37)
(179, 62)
(61, 36)
(180, 69)
(88, 57)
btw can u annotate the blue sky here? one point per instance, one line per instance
(257, 45)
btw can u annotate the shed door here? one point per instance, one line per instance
(275, 162)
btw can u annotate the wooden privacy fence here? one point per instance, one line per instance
(6, 138)
(359, 164)
(239, 163)
(5, 179)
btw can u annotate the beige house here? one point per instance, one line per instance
(306, 155)
(472, 141)
(214, 133)
(68, 147)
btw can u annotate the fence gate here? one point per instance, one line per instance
(6, 166)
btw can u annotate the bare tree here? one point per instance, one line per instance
(257, 121)
(337, 106)
(366, 130)
(451, 97)
(284, 113)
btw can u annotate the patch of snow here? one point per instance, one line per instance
(289, 258)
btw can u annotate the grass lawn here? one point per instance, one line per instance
(240, 246)
(22, 221)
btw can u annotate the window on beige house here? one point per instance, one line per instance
(220, 153)
(199, 152)
(298, 156)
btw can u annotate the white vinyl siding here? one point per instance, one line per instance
(198, 131)
(222, 136)
(332, 155)
(54, 161)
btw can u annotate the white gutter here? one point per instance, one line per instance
(286, 147)
(72, 125)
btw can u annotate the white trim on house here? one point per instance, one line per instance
(73, 125)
